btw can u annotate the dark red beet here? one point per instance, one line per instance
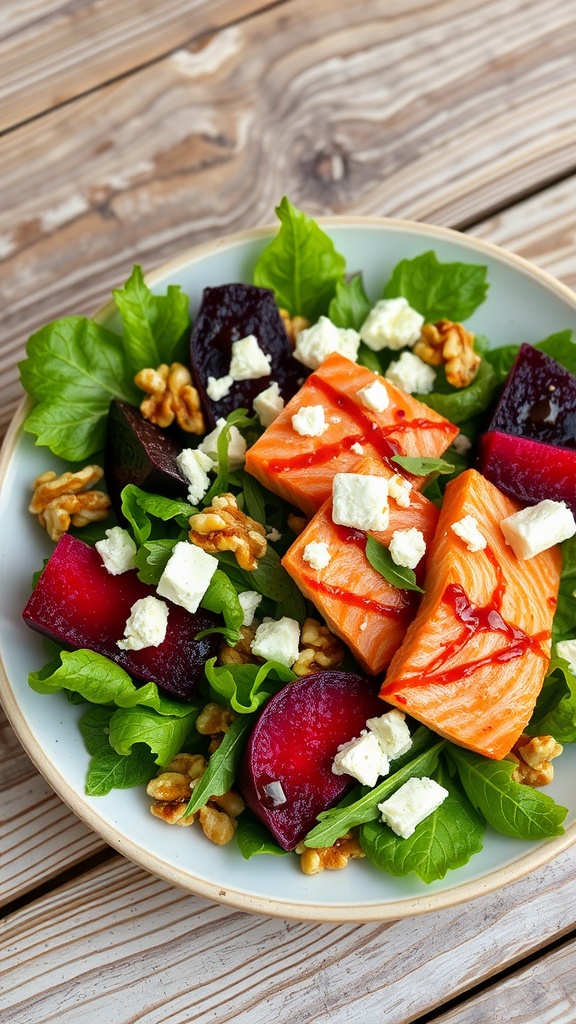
(538, 401)
(138, 452)
(228, 313)
(294, 743)
(79, 604)
(529, 470)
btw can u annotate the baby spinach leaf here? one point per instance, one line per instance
(269, 579)
(95, 729)
(155, 326)
(245, 688)
(450, 291)
(561, 347)
(254, 838)
(460, 404)
(221, 597)
(300, 265)
(152, 558)
(423, 466)
(501, 360)
(109, 770)
(555, 711)
(350, 305)
(163, 734)
(510, 807)
(140, 508)
(397, 575)
(219, 775)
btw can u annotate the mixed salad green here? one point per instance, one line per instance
(75, 366)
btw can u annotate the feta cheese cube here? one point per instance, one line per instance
(357, 448)
(273, 534)
(538, 527)
(360, 501)
(399, 489)
(317, 554)
(392, 323)
(249, 601)
(219, 387)
(146, 625)
(374, 396)
(117, 551)
(236, 445)
(411, 374)
(392, 733)
(468, 530)
(195, 465)
(310, 421)
(248, 361)
(316, 343)
(277, 640)
(407, 547)
(567, 649)
(411, 804)
(268, 404)
(187, 575)
(362, 758)
(461, 444)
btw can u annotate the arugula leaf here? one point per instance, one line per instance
(300, 265)
(152, 558)
(417, 762)
(163, 734)
(109, 770)
(450, 291)
(510, 807)
(254, 838)
(397, 575)
(254, 499)
(350, 305)
(246, 687)
(219, 775)
(461, 404)
(138, 506)
(555, 711)
(155, 326)
(422, 466)
(446, 839)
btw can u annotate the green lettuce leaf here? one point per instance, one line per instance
(109, 770)
(300, 265)
(397, 575)
(555, 711)
(350, 305)
(140, 509)
(245, 688)
(165, 735)
(461, 404)
(155, 326)
(254, 838)
(450, 291)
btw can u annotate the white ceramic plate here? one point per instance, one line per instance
(523, 305)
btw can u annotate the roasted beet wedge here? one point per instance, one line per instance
(228, 313)
(538, 401)
(79, 604)
(528, 470)
(294, 743)
(138, 452)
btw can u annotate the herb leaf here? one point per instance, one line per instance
(155, 326)
(397, 575)
(439, 290)
(350, 305)
(300, 265)
(221, 770)
(422, 466)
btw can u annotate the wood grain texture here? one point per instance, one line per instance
(54, 50)
(436, 111)
(119, 946)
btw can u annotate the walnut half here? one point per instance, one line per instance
(64, 501)
(449, 343)
(532, 756)
(224, 527)
(172, 396)
(171, 791)
(330, 858)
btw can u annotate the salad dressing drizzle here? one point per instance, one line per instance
(357, 600)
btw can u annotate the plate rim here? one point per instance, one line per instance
(174, 875)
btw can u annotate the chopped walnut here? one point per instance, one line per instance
(172, 396)
(224, 527)
(172, 788)
(320, 649)
(293, 324)
(331, 858)
(533, 759)
(241, 654)
(449, 343)
(214, 719)
(64, 501)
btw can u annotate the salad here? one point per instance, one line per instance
(205, 738)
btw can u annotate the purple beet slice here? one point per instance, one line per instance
(538, 401)
(138, 452)
(228, 313)
(293, 744)
(527, 470)
(79, 604)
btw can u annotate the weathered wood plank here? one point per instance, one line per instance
(119, 945)
(423, 111)
(54, 50)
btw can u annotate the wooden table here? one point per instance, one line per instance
(131, 131)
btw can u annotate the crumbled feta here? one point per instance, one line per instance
(275, 793)
(411, 804)
(461, 444)
(411, 374)
(187, 575)
(362, 758)
(357, 448)
(567, 649)
(277, 641)
(273, 534)
(146, 625)
(309, 421)
(538, 527)
(317, 342)
(219, 387)
(317, 554)
(248, 361)
(392, 323)
(195, 465)
(399, 489)
(249, 601)
(360, 501)
(392, 733)
(268, 404)
(468, 530)
(407, 547)
(236, 445)
(374, 396)
(117, 551)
